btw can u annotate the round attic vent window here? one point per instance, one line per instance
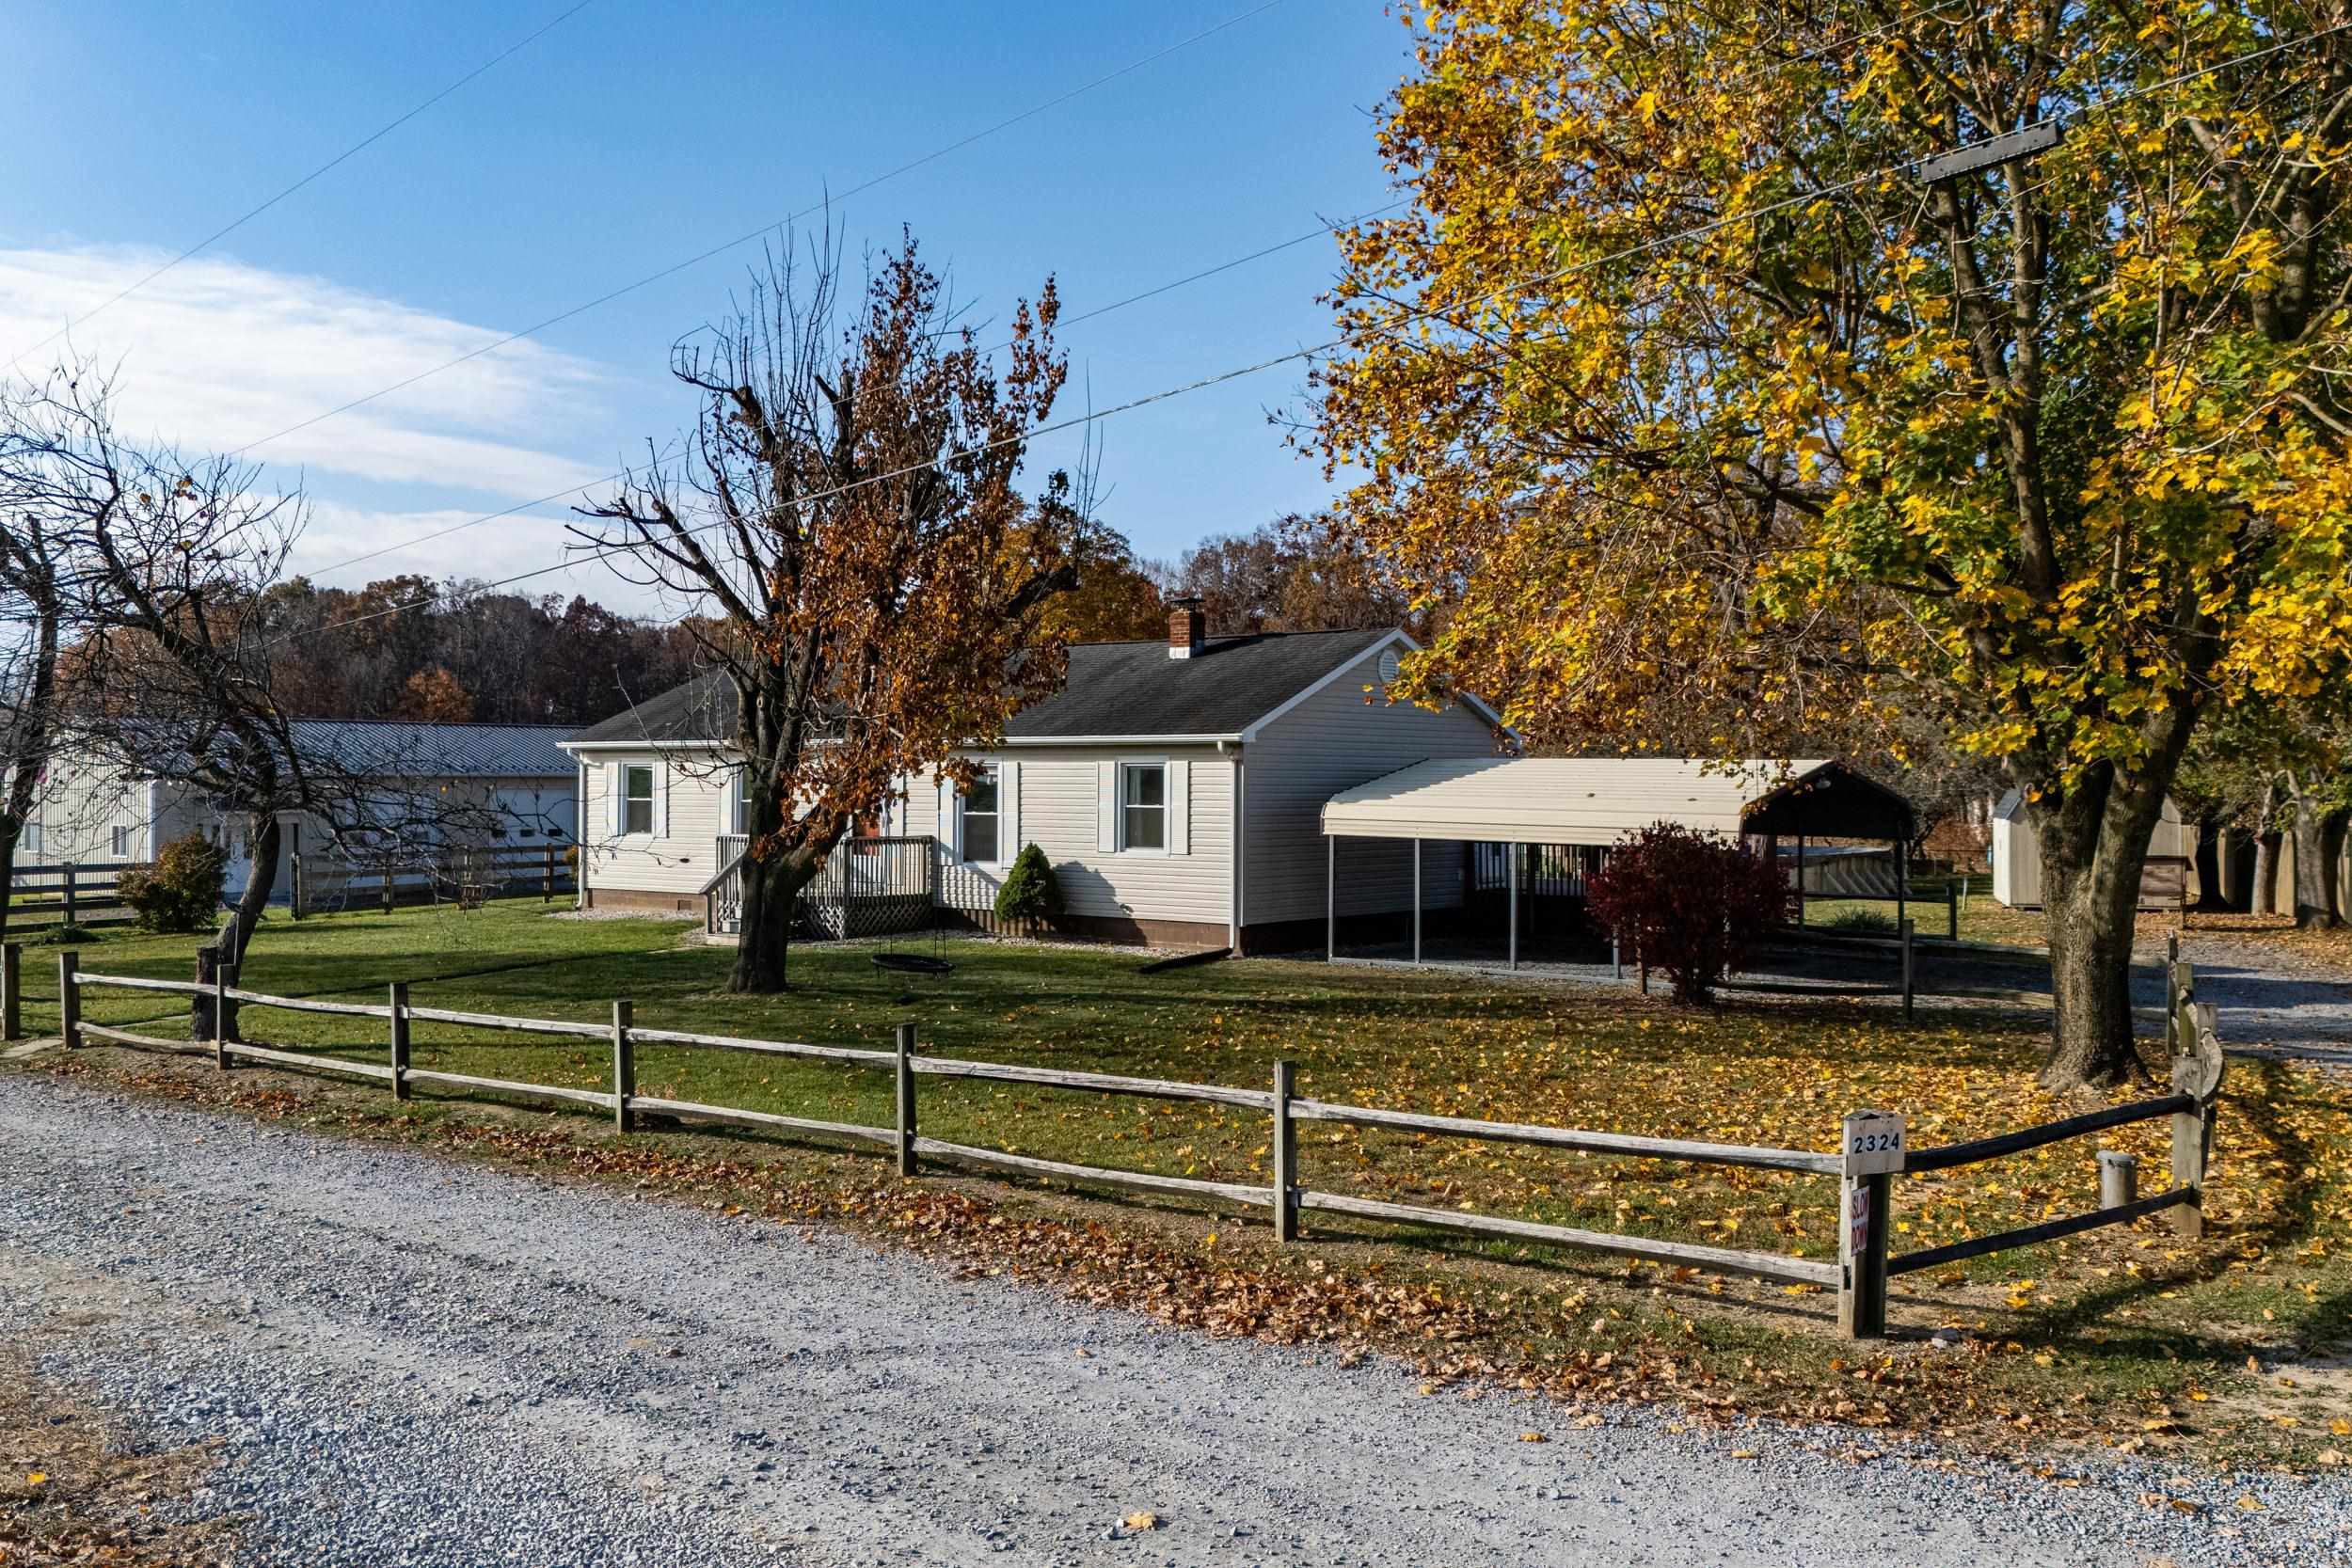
(1387, 666)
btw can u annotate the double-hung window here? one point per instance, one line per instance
(982, 817)
(121, 843)
(637, 798)
(28, 839)
(743, 799)
(1143, 805)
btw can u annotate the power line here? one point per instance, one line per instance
(348, 153)
(699, 257)
(621, 474)
(1410, 314)
(1931, 6)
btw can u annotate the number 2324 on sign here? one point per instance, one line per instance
(1874, 1145)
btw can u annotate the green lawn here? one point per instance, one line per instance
(2139, 1314)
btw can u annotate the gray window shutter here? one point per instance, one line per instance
(1007, 811)
(1179, 807)
(1106, 807)
(950, 820)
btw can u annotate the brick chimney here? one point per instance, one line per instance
(1186, 627)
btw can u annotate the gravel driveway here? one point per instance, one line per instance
(417, 1362)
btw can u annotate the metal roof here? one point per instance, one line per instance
(1602, 799)
(392, 749)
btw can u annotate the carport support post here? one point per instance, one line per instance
(624, 1069)
(1511, 869)
(400, 1038)
(1951, 907)
(1330, 900)
(68, 1000)
(1285, 1155)
(1801, 879)
(1417, 900)
(1903, 877)
(1910, 972)
(906, 1100)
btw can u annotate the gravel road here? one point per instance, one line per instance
(416, 1362)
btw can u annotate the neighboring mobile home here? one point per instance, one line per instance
(500, 784)
(1177, 787)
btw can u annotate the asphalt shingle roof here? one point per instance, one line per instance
(1134, 688)
(1115, 690)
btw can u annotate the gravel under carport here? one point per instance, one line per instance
(413, 1361)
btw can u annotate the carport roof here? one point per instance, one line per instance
(1602, 799)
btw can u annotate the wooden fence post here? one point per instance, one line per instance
(2119, 1178)
(1285, 1151)
(204, 1007)
(68, 1000)
(69, 913)
(293, 898)
(624, 1069)
(906, 1100)
(400, 1038)
(2197, 1066)
(388, 887)
(12, 991)
(222, 973)
(1871, 1144)
(1910, 970)
(546, 877)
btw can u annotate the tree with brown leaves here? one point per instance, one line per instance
(847, 516)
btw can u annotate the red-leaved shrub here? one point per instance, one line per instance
(1692, 905)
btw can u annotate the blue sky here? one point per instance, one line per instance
(629, 137)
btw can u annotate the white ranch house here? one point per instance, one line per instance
(1177, 787)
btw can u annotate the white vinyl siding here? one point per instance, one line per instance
(694, 802)
(1332, 741)
(1064, 805)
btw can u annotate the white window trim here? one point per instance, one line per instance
(996, 772)
(653, 801)
(1167, 805)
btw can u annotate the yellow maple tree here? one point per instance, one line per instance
(1729, 423)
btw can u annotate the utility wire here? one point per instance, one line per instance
(623, 474)
(355, 148)
(620, 475)
(1410, 314)
(699, 257)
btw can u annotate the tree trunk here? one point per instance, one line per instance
(262, 834)
(2314, 877)
(2331, 834)
(12, 829)
(763, 946)
(2266, 839)
(2095, 845)
(2211, 894)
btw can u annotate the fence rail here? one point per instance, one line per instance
(67, 889)
(1870, 1154)
(465, 876)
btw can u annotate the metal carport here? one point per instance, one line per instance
(1593, 803)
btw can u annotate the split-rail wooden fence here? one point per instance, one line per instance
(1872, 1149)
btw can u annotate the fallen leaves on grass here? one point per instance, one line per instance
(89, 1487)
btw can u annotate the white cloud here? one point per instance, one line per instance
(216, 353)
